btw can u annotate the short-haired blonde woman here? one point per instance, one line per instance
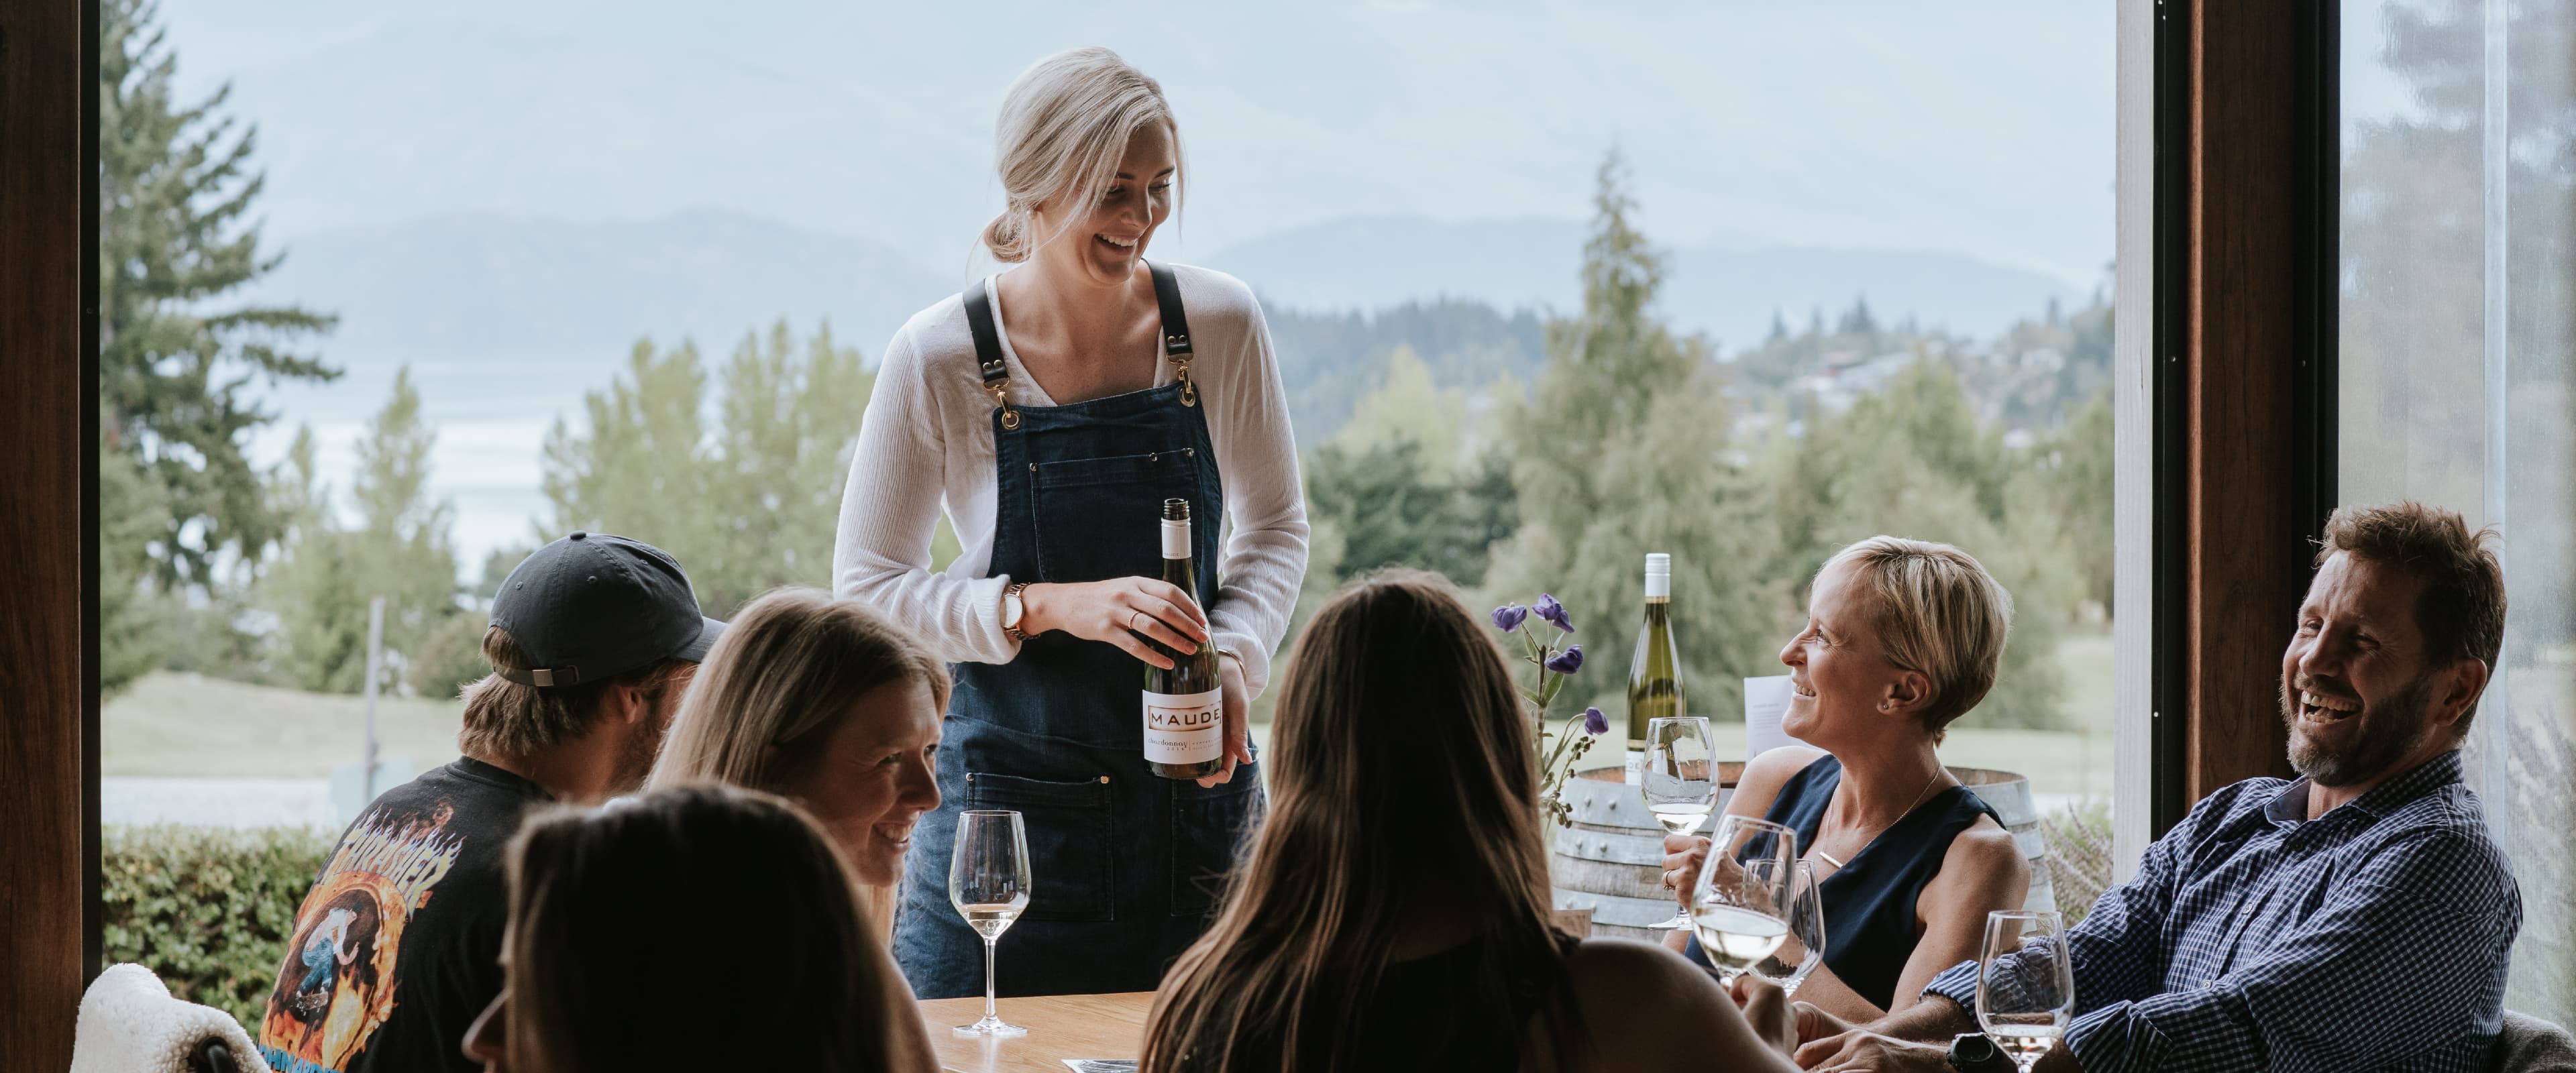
(1394, 913)
(829, 705)
(1902, 637)
(1050, 411)
(690, 928)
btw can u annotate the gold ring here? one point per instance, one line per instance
(1131, 619)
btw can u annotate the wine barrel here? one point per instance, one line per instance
(1611, 858)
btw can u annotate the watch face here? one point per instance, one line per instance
(1973, 1051)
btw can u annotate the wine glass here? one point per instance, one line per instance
(988, 882)
(2025, 983)
(1805, 949)
(1680, 788)
(1739, 906)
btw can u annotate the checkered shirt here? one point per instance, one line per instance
(2374, 937)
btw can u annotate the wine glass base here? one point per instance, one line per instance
(1677, 922)
(991, 1027)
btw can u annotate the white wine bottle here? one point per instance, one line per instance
(1184, 707)
(1655, 675)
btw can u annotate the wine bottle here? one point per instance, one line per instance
(1655, 675)
(1184, 707)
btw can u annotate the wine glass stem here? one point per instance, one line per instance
(990, 1014)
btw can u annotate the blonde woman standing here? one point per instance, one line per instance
(1050, 412)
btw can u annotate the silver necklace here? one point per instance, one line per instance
(1937, 772)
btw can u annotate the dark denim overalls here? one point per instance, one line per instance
(1126, 866)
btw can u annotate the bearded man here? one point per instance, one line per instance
(2357, 918)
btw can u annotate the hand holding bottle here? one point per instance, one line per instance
(1124, 612)
(1238, 722)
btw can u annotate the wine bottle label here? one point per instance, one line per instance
(1184, 728)
(1635, 772)
(1176, 539)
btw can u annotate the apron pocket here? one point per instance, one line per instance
(1101, 518)
(1068, 825)
(1210, 827)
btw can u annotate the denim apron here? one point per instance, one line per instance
(1126, 867)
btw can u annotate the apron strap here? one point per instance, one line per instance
(988, 352)
(1176, 329)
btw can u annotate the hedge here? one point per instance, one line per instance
(209, 909)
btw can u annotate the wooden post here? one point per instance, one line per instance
(48, 508)
(2256, 350)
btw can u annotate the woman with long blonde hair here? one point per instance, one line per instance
(1395, 910)
(691, 928)
(829, 705)
(1053, 413)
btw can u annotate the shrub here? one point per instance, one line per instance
(2079, 859)
(208, 909)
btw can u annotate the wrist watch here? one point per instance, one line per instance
(1972, 1052)
(1012, 609)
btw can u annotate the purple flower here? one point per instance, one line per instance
(1508, 617)
(1554, 612)
(1595, 723)
(1566, 662)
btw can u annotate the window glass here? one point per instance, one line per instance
(2458, 322)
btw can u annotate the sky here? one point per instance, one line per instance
(1981, 128)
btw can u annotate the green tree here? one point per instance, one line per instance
(747, 506)
(1624, 450)
(130, 515)
(178, 239)
(400, 550)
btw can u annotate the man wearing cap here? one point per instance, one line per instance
(593, 640)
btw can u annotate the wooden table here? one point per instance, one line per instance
(1060, 1027)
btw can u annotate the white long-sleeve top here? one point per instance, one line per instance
(927, 446)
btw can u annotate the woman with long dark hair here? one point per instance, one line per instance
(1394, 912)
(697, 928)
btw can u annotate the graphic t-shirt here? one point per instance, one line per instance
(397, 948)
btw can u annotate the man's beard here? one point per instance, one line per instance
(635, 761)
(2390, 730)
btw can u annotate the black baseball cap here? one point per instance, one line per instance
(592, 606)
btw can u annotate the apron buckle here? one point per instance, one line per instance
(1010, 417)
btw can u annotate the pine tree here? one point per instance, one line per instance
(1624, 451)
(177, 240)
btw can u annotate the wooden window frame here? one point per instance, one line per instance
(49, 300)
(2225, 392)
(2230, 193)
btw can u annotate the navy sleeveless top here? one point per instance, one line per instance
(1869, 902)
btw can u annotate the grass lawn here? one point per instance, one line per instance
(191, 725)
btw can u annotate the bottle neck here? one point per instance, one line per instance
(1179, 566)
(1658, 609)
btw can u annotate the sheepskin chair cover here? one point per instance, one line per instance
(130, 1024)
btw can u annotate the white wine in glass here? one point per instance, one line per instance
(1789, 965)
(2025, 983)
(1677, 777)
(1739, 905)
(988, 882)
